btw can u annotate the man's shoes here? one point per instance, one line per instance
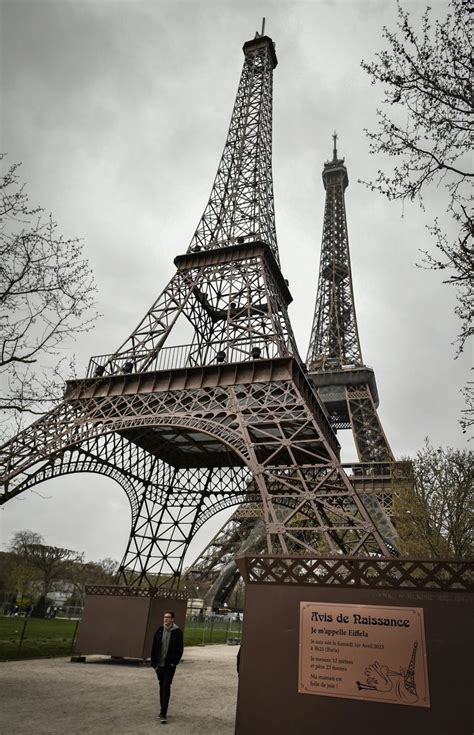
(163, 719)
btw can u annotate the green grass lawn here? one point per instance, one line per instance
(197, 634)
(43, 638)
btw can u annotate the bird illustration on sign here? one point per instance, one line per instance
(400, 685)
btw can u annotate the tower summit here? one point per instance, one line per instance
(240, 206)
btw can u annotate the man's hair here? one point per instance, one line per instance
(168, 612)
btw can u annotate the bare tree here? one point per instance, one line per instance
(427, 130)
(46, 297)
(467, 413)
(10, 582)
(51, 564)
(107, 569)
(434, 510)
(103, 572)
(23, 578)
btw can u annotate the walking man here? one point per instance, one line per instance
(166, 654)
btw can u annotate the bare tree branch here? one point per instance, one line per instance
(47, 296)
(427, 82)
(434, 512)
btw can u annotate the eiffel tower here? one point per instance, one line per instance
(188, 429)
(346, 386)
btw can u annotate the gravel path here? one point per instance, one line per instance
(53, 696)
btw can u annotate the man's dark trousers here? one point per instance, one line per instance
(165, 677)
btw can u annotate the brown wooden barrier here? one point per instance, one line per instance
(120, 621)
(277, 679)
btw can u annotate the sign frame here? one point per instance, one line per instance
(367, 652)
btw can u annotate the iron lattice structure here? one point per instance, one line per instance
(216, 566)
(187, 430)
(346, 386)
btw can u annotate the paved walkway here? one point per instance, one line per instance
(53, 696)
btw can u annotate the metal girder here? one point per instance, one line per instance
(107, 455)
(371, 442)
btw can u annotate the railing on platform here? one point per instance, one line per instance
(185, 356)
(378, 477)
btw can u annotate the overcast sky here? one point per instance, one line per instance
(119, 112)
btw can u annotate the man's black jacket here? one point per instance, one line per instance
(175, 648)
